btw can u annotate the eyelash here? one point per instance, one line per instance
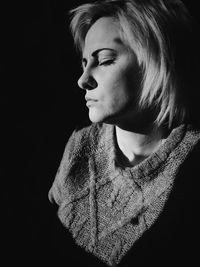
(103, 63)
(106, 62)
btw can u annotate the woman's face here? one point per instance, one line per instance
(110, 74)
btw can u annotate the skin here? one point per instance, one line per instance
(111, 78)
(110, 75)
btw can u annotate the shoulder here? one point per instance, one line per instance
(84, 134)
(191, 141)
(85, 140)
(193, 134)
(73, 172)
(87, 137)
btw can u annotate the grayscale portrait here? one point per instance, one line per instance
(126, 190)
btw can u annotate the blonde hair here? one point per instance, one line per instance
(155, 30)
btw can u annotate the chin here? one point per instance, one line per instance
(97, 117)
(100, 117)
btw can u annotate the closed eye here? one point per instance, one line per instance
(106, 62)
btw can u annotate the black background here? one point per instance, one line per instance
(41, 105)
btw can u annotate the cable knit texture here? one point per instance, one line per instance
(106, 206)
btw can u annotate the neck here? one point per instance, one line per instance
(137, 146)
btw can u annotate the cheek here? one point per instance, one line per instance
(121, 88)
(119, 85)
(117, 95)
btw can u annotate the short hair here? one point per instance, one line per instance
(159, 32)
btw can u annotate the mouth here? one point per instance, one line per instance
(90, 101)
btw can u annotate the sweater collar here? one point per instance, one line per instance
(141, 172)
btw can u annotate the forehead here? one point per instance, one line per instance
(104, 33)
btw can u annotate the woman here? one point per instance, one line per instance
(125, 185)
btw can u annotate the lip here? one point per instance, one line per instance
(90, 102)
(90, 99)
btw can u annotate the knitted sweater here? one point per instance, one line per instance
(106, 206)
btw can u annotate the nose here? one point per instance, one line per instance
(87, 81)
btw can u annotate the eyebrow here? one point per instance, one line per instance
(95, 53)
